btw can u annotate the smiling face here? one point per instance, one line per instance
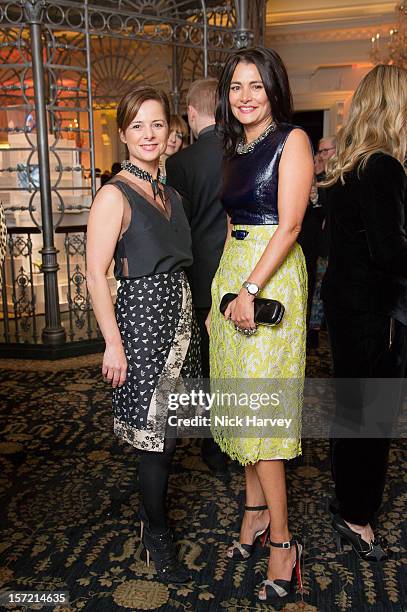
(147, 135)
(247, 97)
(174, 143)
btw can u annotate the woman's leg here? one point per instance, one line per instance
(359, 464)
(254, 492)
(154, 470)
(356, 343)
(157, 537)
(253, 520)
(271, 475)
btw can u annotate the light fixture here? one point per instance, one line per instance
(395, 50)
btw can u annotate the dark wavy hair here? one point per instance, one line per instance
(275, 80)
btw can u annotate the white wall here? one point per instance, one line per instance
(325, 45)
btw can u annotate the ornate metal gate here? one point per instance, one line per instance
(61, 60)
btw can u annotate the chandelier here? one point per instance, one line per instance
(395, 51)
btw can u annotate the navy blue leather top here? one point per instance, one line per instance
(250, 181)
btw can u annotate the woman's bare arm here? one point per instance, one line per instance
(104, 226)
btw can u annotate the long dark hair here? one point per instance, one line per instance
(275, 80)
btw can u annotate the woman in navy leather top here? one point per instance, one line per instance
(365, 297)
(267, 179)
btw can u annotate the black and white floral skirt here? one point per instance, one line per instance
(161, 341)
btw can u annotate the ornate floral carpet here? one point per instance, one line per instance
(69, 504)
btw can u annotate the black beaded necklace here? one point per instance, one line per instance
(145, 176)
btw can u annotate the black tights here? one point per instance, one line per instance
(154, 469)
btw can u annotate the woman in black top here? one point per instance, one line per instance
(365, 297)
(142, 224)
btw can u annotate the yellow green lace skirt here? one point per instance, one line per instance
(274, 357)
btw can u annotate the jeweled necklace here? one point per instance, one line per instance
(247, 148)
(145, 176)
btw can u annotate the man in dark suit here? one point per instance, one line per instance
(196, 172)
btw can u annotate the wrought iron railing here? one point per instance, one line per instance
(79, 308)
(18, 293)
(23, 289)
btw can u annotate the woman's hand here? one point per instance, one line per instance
(241, 310)
(208, 322)
(114, 368)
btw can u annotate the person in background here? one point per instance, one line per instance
(141, 223)
(116, 167)
(105, 177)
(177, 139)
(326, 150)
(196, 173)
(313, 242)
(309, 239)
(365, 297)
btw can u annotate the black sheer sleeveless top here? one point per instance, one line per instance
(151, 241)
(250, 181)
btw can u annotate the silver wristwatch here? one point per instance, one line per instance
(252, 288)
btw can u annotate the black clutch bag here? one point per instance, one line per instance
(266, 312)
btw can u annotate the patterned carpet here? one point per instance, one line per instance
(69, 501)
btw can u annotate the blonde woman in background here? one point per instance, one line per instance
(177, 138)
(365, 297)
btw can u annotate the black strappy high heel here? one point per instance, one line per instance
(242, 552)
(368, 552)
(279, 588)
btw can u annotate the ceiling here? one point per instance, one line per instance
(289, 17)
(313, 33)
